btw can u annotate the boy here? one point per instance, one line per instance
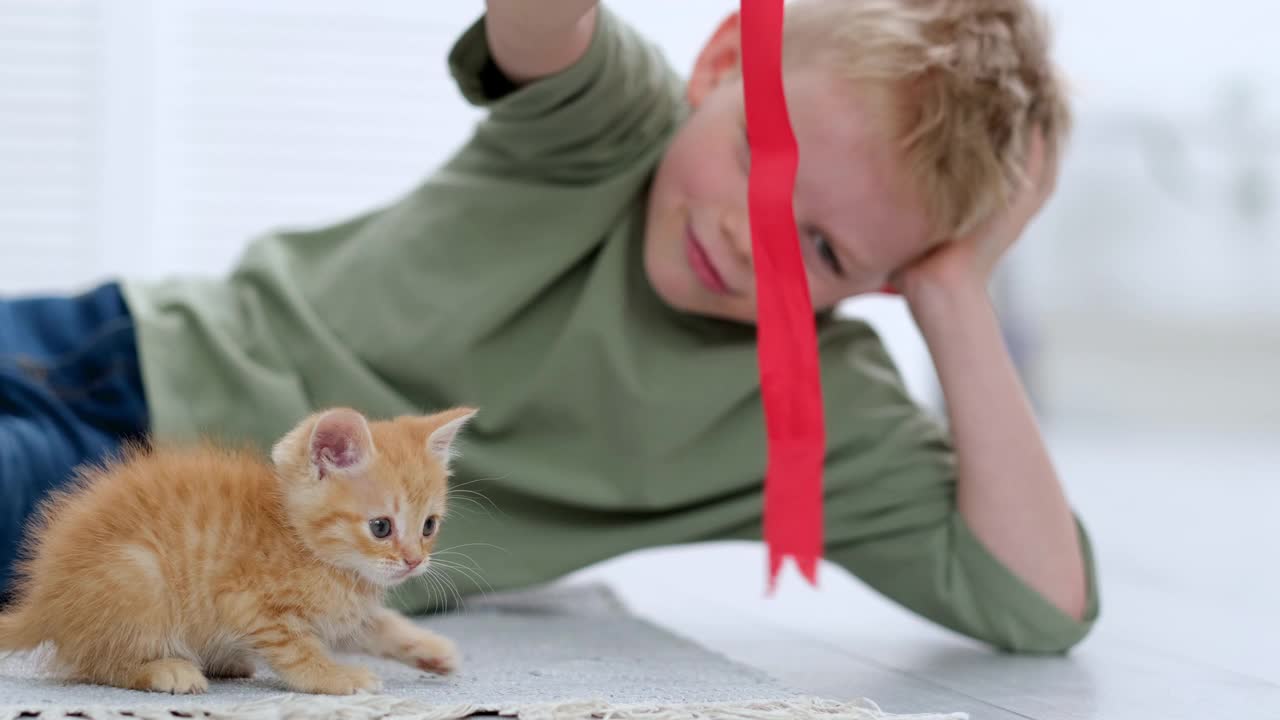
(581, 271)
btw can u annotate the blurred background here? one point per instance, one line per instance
(154, 137)
(150, 137)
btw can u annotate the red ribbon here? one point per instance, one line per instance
(786, 336)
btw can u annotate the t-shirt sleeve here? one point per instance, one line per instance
(893, 521)
(607, 110)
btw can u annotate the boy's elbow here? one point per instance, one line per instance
(1070, 597)
(1058, 639)
(1005, 612)
(1044, 627)
(1076, 604)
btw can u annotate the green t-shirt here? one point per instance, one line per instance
(511, 280)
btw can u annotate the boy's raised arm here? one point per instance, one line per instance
(531, 39)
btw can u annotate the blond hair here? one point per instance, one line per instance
(968, 82)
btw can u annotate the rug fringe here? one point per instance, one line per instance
(279, 707)
(384, 707)
(809, 708)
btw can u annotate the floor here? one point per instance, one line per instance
(1190, 579)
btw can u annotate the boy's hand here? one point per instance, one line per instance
(967, 262)
(531, 39)
(1006, 488)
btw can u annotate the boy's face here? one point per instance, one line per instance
(856, 221)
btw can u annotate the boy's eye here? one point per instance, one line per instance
(825, 251)
(380, 527)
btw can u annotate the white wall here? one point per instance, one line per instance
(151, 137)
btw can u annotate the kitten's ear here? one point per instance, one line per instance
(441, 441)
(341, 441)
(336, 440)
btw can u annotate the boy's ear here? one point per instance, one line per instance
(718, 61)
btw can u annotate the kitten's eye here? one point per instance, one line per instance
(429, 527)
(380, 527)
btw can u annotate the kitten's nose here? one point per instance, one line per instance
(412, 563)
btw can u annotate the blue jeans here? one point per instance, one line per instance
(70, 393)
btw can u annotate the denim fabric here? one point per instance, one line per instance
(70, 393)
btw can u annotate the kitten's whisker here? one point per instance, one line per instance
(455, 552)
(472, 496)
(456, 592)
(455, 565)
(444, 580)
(488, 505)
(470, 573)
(463, 491)
(472, 481)
(436, 590)
(454, 501)
(395, 591)
(474, 544)
(454, 585)
(482, 586)
(474, 567)
(447, 562)
(459, 489)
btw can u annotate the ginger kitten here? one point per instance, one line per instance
(171, 566)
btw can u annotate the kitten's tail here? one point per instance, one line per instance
(17, 632)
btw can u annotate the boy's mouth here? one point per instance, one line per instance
(701, 263)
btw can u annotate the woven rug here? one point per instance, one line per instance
(554, 653)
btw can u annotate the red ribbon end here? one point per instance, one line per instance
(790, 387)
(807, 564)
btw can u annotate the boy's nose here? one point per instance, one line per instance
(735, 226)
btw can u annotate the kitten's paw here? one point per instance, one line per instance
(443, 665)
(234, 668)
(430, 652)
(172, 675)
(342, 680)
